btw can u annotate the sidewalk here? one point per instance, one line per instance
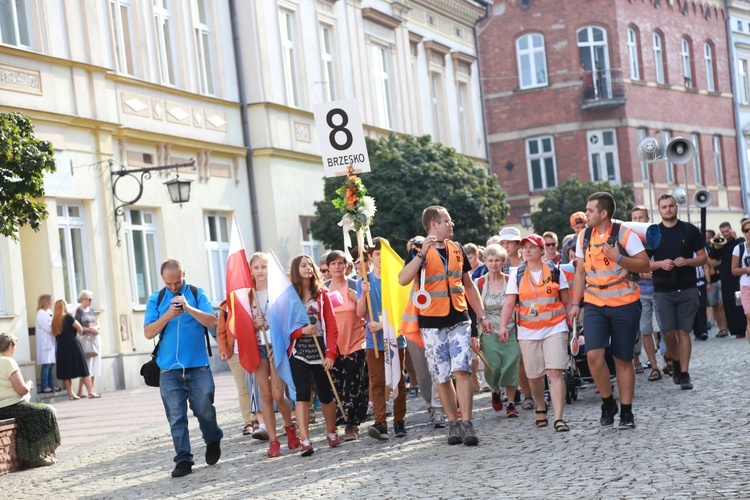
(687, 444)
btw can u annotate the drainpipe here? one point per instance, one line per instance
(741, 152)
(245, 124)
(486, 5)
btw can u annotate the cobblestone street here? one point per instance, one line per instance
(687, 444)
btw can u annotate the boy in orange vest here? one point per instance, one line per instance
(604, 280)
(444, 274)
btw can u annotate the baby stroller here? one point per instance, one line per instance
(578, 375)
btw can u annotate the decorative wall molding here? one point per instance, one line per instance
(17, 79)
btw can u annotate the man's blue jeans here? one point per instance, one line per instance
(194, 385)
(48, 376)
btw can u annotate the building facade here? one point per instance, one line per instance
(411, 65)
(119, 84)
(739, 31)
(571, 88)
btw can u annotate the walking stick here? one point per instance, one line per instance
(486, 364)
(363, 265)
(330, 380)
(265, 341)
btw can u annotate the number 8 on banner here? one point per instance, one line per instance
(342, 139)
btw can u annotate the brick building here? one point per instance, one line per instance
(572, 87)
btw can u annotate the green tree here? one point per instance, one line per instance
(409, 174)
(557, 205)
(23, 161)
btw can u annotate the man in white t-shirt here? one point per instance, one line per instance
(541, 292)
(604, 280)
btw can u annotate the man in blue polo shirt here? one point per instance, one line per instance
(181, 316)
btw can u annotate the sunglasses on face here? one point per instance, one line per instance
(746, 230)
(323, 270)
(550, 244)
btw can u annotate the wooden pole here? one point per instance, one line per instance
(330, 380)
(265, 341)
(363, 266)
(486, 364)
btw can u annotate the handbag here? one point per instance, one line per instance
(150, 371)
(88, 343)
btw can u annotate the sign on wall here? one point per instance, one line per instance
(342, 138)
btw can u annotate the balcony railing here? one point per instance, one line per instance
(602, 88)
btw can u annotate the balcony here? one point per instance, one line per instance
(602, 89)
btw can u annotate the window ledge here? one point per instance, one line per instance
(6, 316)
(139, 308)
(530, 89)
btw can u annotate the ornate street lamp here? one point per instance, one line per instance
(179, 189)
(526, 220)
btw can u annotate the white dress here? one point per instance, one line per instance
(45, 341)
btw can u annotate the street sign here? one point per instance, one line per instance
(342, 139)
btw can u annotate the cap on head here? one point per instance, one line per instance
(534, 239)
(510, 234)
(578, 218)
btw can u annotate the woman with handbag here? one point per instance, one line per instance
(89, 338)
(71, 362)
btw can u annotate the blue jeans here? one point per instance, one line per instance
(194, 385)
(48, 376)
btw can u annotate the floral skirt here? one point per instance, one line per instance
(38, 434)
(352, 383)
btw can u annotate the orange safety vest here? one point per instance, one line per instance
(607, 284)
(444, 287)
(544, 297)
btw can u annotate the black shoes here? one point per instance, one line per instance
(213, 452)
(455, 433)
(608, 414)
(182, 469)
(685, 383)
(470, 439)
(676, 372)
(400, 430)
(378, 431)
(702, 336)
(626, 422)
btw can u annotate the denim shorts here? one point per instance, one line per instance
(676, 309)
(613, 327)
(262, 351)
(447, 350)
(649, 319)
(714, 295)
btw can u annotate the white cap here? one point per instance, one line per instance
(510, 234)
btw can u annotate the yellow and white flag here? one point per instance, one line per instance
(395, 298)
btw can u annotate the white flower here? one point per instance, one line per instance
(368, 203)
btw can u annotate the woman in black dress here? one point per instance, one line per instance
(71, 362)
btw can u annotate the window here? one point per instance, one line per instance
(717, 161)
(382, 89)
(203, 44)
(436, 92)
(217, 248)
(744, 83)
(708, 51)
(641, 135)
(289, 57)
(659, 58)
(532, 62)
(666, 136)
(602, 146)
(14, 23)
(464, 104)
(309, 245)
(165, 41)
(635, 72)
(70, 229)
(687, 63)
(143, 254)
(123, 37)
(697, 172)
(593, 55)
(326, 55)
(540, 155)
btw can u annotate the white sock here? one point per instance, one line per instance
(306, 442)
(263, 426)
(332, 435)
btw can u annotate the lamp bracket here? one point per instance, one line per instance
(145, 173)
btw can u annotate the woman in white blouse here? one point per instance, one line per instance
(45, 343)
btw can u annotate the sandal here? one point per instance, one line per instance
(655, 375)
(561, 426)
(723, 333)
(543, 422)
(528, 403)
(639, 368)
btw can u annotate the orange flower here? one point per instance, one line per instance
(351, 198)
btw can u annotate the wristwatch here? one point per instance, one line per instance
(482, 318)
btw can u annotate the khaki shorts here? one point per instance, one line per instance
(548, 354)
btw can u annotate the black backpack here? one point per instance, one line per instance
(614, 235)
